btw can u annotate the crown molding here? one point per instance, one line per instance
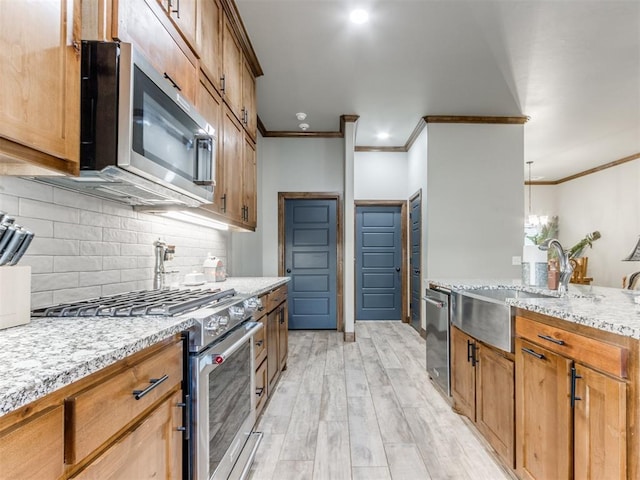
(584, 173)
(518, 120)
(307, 134)
(382, 149)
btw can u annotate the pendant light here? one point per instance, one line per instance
(534, 220)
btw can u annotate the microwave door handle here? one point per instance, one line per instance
(204, 166)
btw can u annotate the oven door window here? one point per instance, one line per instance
(229, 402)
(162, 131)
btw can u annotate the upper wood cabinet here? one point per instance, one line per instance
(183, 13)
(231, 82)
(249, 113)
(231, 195)
(145, 24)
(40, 94)
(209, 39)
(249, 184)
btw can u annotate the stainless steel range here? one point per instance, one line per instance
(219, 379)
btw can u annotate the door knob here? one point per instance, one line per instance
(397, 269)
(288, 270)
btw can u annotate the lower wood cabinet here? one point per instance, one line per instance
(483, 390)
(123, 422)
(153, 449)
(34, 448)
(574, 401)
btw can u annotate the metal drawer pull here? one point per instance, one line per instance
(433, 302)
(574, 379)
(259, 343)
(175, 85)
(551, 339)
(259, 391)
(539, 356)
(154, 382)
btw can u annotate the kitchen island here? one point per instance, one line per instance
(50, 353)
(568, 402)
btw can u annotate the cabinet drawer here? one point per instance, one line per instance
(260, 342)
(100, 411)
(606, 357)
(34, 449)
(276, 297)
(261, 387)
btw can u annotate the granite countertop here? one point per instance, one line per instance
(50, 353)
(609, 309)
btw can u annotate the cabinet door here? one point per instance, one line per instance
(283, 336)
(183, 14)
(40, 78)
(232, 168)
(210, 107)
(463, 375)
(543, 413)
(249, 190)
(273, 323)
(261, 387)
(145, 25)
(209, 39)
(153, 449)
(600, 425)
(231, 69)
(495, 401)
(35, 448)
(249, 113)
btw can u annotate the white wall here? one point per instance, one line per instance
(474, 200)
(292, 165)
(380, 176)
(86, 247)
(607, 201)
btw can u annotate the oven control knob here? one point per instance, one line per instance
(212, 324)
(223, 320)
(236, 311)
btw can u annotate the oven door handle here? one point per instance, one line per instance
(219, 352)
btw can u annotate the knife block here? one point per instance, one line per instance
(15, 296)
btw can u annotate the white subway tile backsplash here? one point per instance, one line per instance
(53, 281)
(99, 219)
(120, 236)
(77, 200)
(77, 264)
(99, 248)
(86, 247)
(38, 263)
(48, 211)
(114, 288)
(42, 228)
(87, 279)
(135, 274)
(21, 187)
(75, 231)
(117, 263)
(53, 246)
(75, 294)
(135, 249)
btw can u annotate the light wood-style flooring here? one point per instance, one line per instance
(365, 411)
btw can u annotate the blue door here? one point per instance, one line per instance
(378, 263)
(415, 284)
(311, 261)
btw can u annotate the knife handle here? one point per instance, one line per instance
(10, 230)
(22, 248)
(13, 246)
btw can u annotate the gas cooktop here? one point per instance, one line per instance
(163, 302)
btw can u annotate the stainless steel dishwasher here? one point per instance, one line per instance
(437, 316)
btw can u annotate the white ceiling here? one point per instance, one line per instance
(572, 66)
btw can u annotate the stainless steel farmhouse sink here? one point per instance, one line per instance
(485, 315)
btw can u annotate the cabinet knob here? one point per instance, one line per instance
(288, 270)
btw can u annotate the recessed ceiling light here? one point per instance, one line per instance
(304, 126)
(359, 16)
(383, 135)
(301, 116)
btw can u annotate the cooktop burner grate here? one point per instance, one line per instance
(164, 302)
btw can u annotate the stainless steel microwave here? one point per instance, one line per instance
(142, 142)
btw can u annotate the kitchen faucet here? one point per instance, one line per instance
(163, 252)
(566, 268)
